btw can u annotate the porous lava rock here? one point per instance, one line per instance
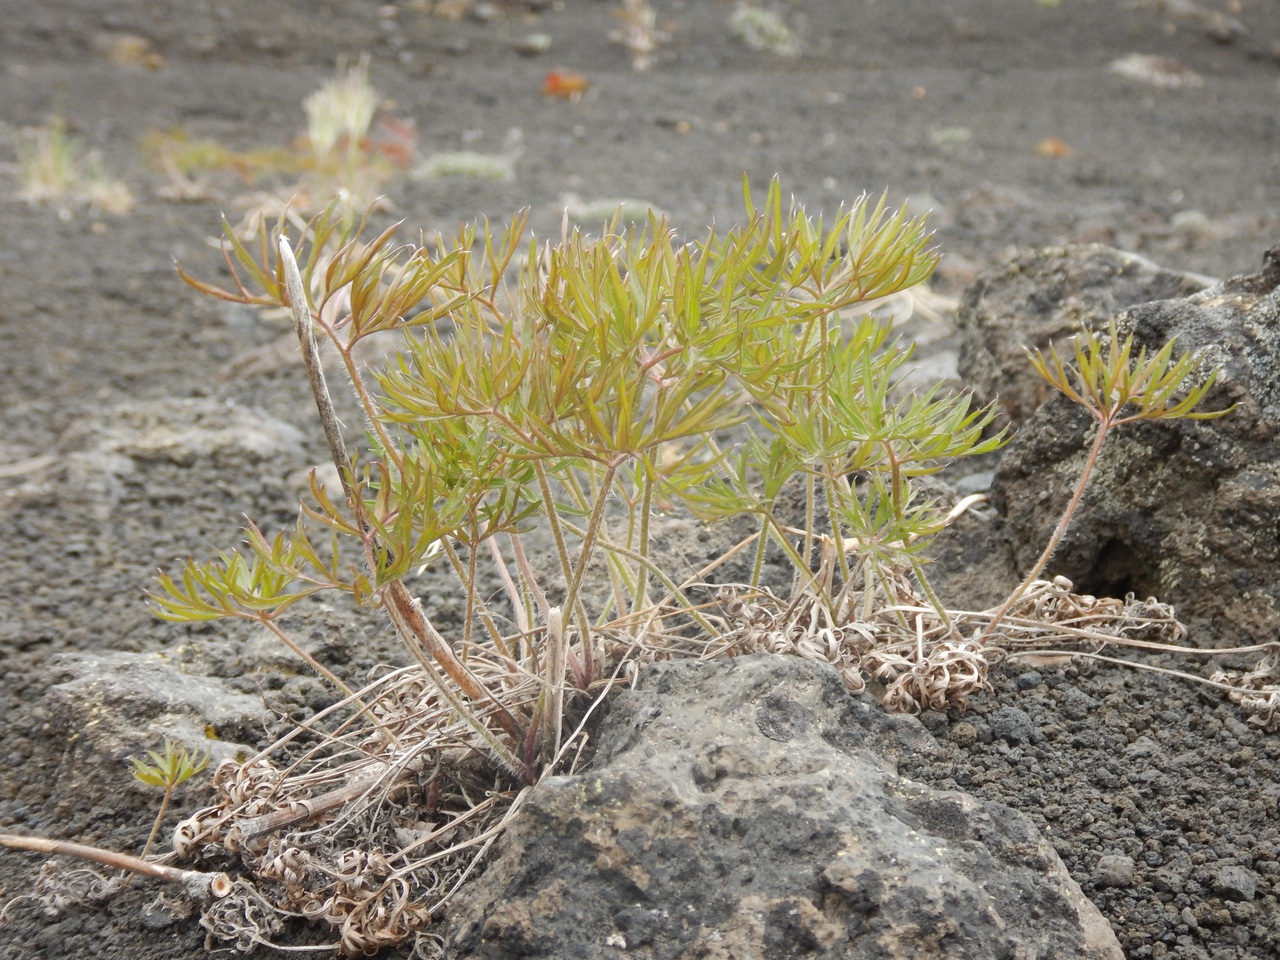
(1040, 300)
(749, 808)
(1184, 510)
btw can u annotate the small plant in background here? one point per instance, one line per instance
(473, 165)
(639, 33)
(339, 118)
(167, 771)
(762, 30)
(56, 170)
(343, 154)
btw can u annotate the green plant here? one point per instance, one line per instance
(56, 170)
(582, 392)
(1116, 388)
(762, 30)
(167, 770)
(579, 391)
(340, 155)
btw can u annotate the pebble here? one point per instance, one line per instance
(1235, 883)
(533, 44)
(1029, 680)
(157, 916)
(1077, 705)
(935, 722)
(1012, 725)
(1142, 747)
(1115, 870)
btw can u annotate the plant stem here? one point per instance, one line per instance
(762, 544)
(640, 596)
(307, 658)
(557, 648)
(406, 614)
(584, 558)
(155, 827)
(838, 489)
(305, 329)
(1105, 422)
(196, 884)
(425, 641)
(927, 589)
(566, 563)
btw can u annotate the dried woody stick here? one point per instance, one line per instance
(195, 883)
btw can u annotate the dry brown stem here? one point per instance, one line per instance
(195, 883)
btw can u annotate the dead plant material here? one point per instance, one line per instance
(1257, 691)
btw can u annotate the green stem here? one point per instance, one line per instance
(780, 538)
(467, 577)
(557, 530)
(762, 543)
(810, 511)
(553, 520)
(584, 558)
(927, 589)
(621, 581)
(673, 589)
(1105, 423)
(837, 489)
(155, 827)
(640, 597)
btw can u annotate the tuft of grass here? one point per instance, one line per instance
(467, 164)
(56, 170)
(763, 30)
(343, 153)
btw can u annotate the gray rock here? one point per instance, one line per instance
(1042, 299)
(971, 562)
(1013, 726)
(184, 430)
(1235, 882)
(1076, 704)
(749, 807)
(118, 703)
(1115, 870)
(1141, 748)
(1183, 510)
(1174, 874)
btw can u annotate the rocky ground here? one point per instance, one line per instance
(1003, 117)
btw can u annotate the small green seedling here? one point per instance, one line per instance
(168, 770)
(1116, 388)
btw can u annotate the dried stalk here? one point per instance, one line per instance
(196, 884)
